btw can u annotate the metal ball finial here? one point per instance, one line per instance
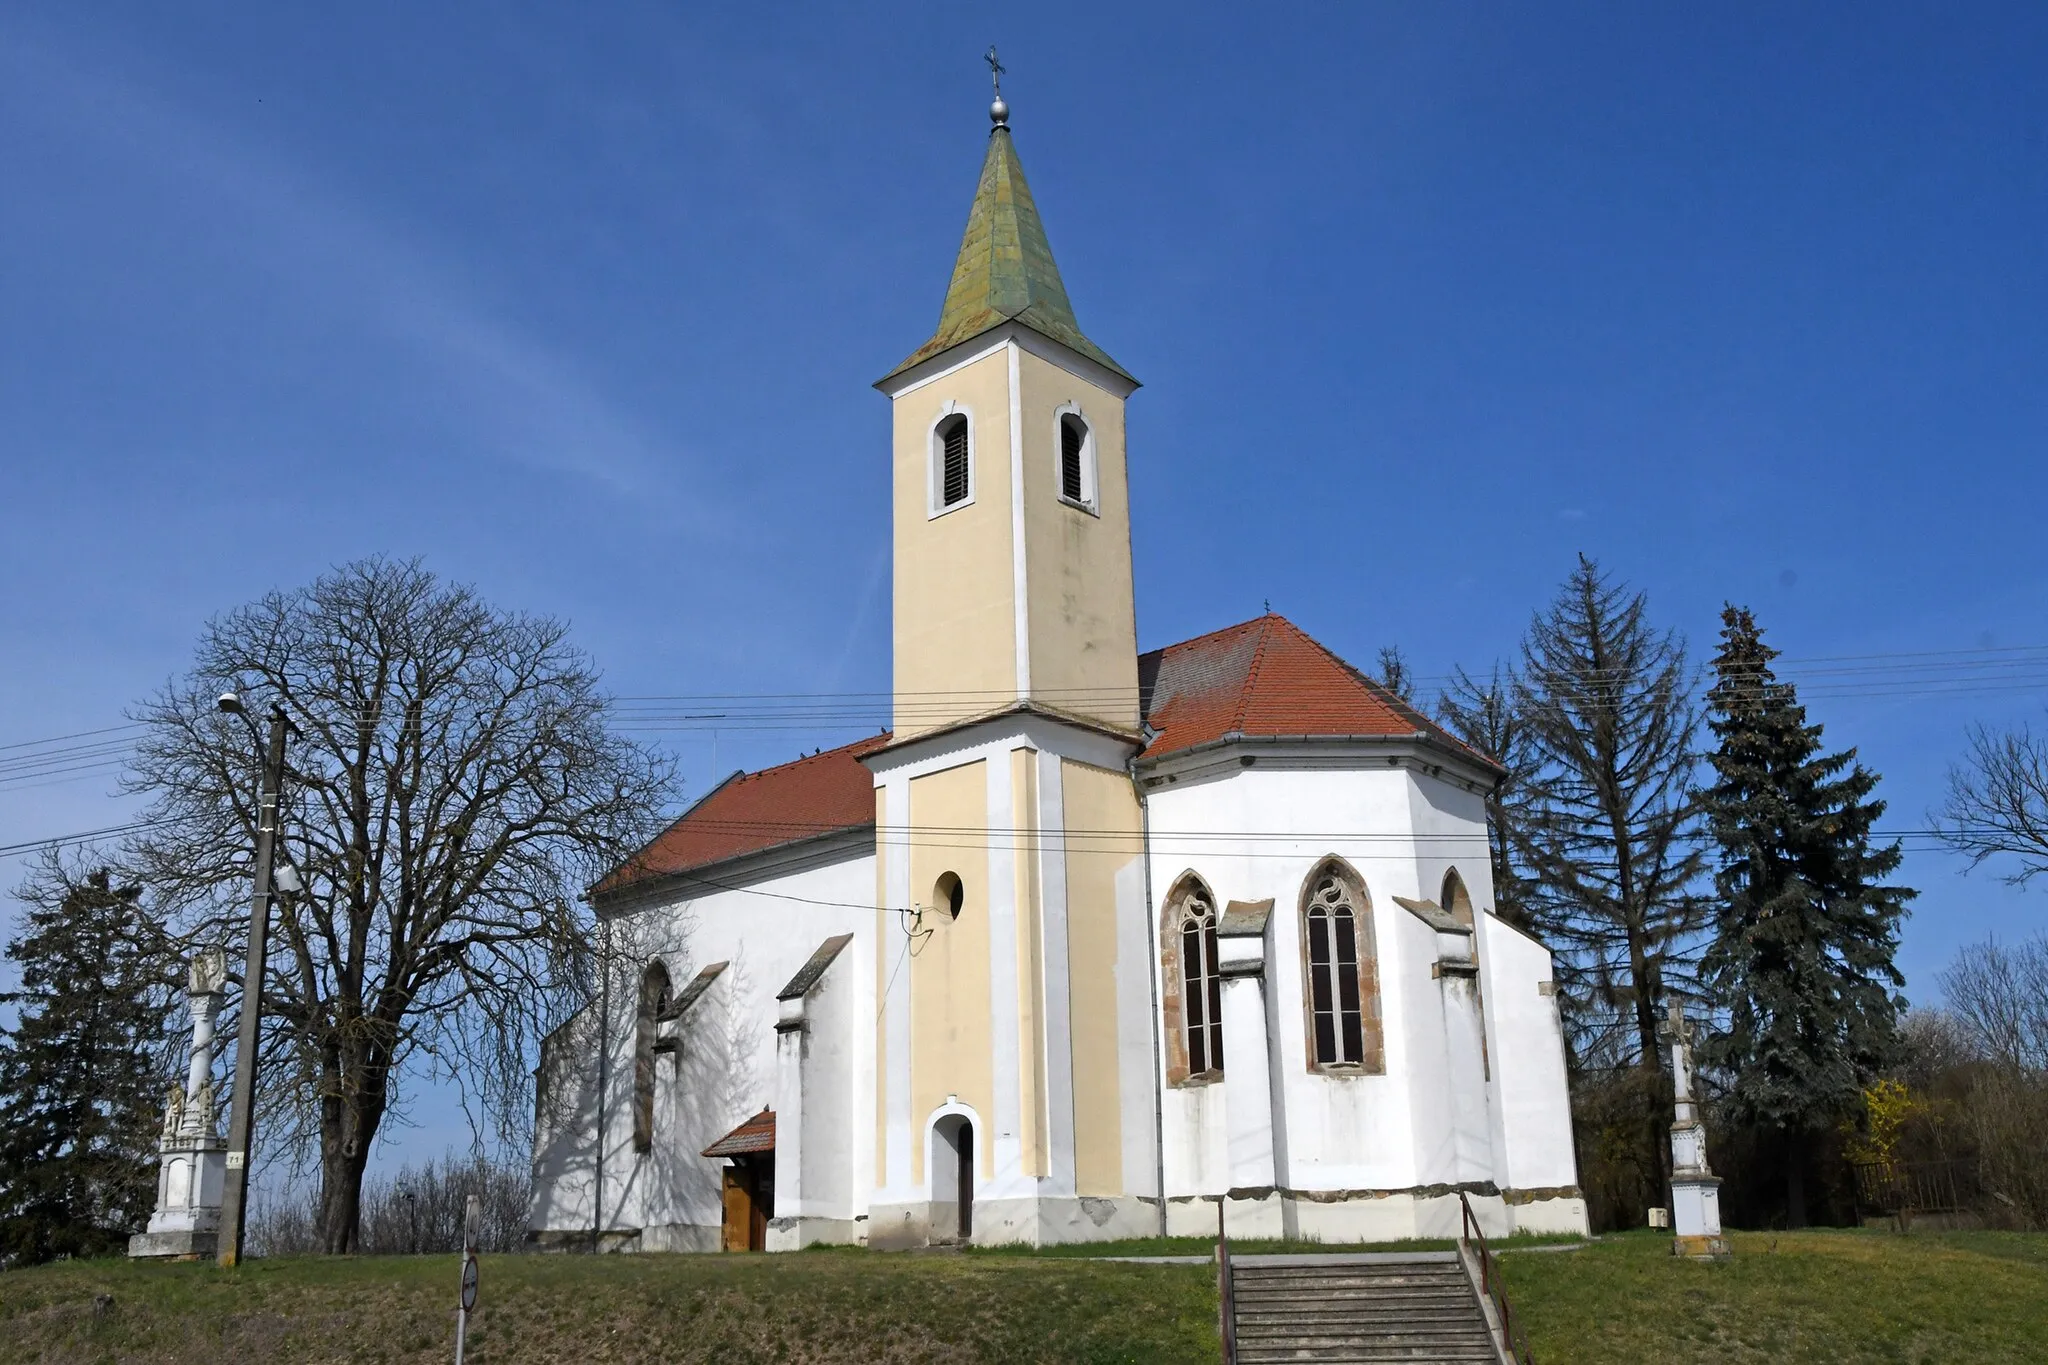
(999, 113)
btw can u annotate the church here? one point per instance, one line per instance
(1090, 944)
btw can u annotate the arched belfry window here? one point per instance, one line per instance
(1077, 461)
(655, 1000)
(1194, 997)
(1342, 995)
(952, 463)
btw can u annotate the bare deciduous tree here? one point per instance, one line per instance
(1998, 801)
(451, 785)
(1999, 994)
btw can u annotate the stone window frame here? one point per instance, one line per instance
(1456, 899)
(1371, 1024)
(1172, 976)
(655, 1002)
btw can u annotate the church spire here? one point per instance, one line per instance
(1005, 270)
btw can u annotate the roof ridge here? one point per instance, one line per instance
(1251, 672)
(1210, 635)
(1398, 704)
(1381, 693)
(802, 759)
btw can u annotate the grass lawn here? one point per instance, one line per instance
(1803, 1298)
(1798, 1298)
(816, 1306)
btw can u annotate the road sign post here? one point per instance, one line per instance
(472, 1234)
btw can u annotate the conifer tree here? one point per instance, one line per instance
(1484, 715)
(82, 1073)
(1611, 840)
(1610, 834)
(1806, 929)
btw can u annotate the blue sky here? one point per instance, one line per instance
(584, 305)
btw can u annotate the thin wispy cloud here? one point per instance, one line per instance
(508, 392)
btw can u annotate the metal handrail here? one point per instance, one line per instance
(1227, 1297)
(1473, 1237)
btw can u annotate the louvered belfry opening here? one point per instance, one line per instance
(953, 461)
(1073, 436)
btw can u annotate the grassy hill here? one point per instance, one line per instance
(1808, 1297)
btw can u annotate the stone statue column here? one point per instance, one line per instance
(204, 984)
(1695, 1190)
(193, 1155)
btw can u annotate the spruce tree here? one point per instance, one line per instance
(1610, 837)
(1484, 715)
(1806, 929)
(82, 1073)
(1610, 833)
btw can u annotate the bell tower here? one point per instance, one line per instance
(1011, 508)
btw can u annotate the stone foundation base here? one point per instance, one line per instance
(1029, 1221)
(681, 1237)
(794, 1234)
(1702, 1248)
(558, 1240)
(1334, 1216)
(1353, 1216)
(183, 1245)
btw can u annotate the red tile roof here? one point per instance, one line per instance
(1266, 679)
(751, 812)
(757, 1134)
(1262, 679)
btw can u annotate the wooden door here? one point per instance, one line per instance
(749, 1201)
(739, 1210)
(763, 1171)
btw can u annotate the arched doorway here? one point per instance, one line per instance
(951, 1170)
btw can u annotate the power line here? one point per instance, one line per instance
(85, 837)
(1905, 674)
(1096, 840)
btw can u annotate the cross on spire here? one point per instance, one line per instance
(1677, 1033)
(998, 112)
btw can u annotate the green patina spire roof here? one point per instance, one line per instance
(1005, 271)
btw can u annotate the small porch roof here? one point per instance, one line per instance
(755, 1136)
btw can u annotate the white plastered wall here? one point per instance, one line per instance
(780, 908)
(1371, 1156)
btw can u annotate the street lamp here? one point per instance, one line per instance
(235, 1197)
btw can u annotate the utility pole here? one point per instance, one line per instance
(235, 1197)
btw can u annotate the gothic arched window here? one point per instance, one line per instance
(1343, 973)
(655, 999)
(1194, 999)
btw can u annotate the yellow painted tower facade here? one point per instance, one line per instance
(1011, 507)
(1012, 1095)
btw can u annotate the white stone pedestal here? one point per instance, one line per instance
(193, 1169)
(1695, 1190)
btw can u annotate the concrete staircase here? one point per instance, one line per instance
(1416, 1306)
